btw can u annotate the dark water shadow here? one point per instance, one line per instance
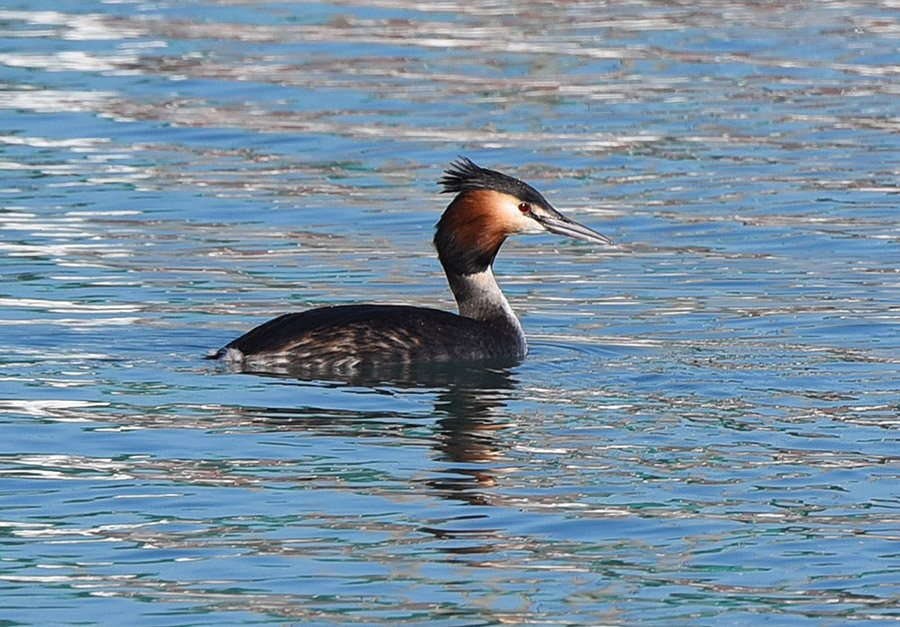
(466, 397)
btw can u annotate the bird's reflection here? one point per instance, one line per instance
(465, 399)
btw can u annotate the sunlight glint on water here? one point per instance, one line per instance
(702, 434)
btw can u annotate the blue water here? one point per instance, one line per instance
(702, 434)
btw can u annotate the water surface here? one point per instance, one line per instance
(701, 435)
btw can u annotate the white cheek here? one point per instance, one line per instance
(529, 225)
(518, 222)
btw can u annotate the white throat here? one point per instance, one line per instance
(479, 297)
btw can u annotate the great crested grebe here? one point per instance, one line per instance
(489, 206)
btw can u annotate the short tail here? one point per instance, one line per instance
(214, 354)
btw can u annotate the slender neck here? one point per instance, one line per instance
(479, 297)
(467, 239)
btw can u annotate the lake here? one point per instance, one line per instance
(702, 433)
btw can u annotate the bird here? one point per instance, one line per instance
(488, 207)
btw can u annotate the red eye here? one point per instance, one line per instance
(524, 207)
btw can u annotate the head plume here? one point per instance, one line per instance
(464, 175)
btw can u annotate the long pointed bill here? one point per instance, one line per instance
(562, 225)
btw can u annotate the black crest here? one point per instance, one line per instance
(464, 175)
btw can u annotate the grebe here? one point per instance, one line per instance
(488, 207)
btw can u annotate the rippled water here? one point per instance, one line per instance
(703, 433)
